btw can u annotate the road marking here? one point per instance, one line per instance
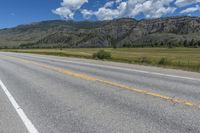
(125, 87)
(135, 70)
(126, 69)
(30, 127)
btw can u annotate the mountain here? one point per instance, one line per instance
(162, 32)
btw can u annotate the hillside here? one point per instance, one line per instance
(162, 32)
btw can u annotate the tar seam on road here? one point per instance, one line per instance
(86, 77)
(30, 127)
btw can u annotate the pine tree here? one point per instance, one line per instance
(185, 43)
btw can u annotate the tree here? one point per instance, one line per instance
(156, 44)
(162, 44)
(192, 43)
(169, 45)
(196, 44)
(113, 43)
(185, 43)
(199, 43)
(180, 44)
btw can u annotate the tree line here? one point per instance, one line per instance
(169, 44)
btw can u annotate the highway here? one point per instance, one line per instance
(49, 94)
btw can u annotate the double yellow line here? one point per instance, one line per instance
(90, 78)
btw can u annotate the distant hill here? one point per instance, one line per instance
(162, 32)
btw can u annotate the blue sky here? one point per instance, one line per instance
(15, 12)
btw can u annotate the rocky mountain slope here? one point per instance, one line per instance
(162, 32)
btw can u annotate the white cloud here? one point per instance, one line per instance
(106, 13)
(87, 13)
(69, 7)
(131, 8)
(113, 9)
(191, 9)
(182, 3)
(109, 4)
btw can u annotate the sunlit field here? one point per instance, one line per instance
(181, 58)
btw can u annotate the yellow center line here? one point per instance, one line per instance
(125, 87)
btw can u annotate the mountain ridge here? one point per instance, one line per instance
(125, 32)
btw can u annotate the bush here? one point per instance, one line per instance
(101, 54)
(163, 61)
(144, 60)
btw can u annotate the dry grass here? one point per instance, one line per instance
(181, 58)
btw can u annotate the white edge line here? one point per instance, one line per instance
(126, 69)
(139, 71)
(119, 68)
(30, 127)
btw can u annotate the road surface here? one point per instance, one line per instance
(47, 94)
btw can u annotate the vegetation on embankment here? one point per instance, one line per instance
(181, 58)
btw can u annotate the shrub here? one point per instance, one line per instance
(163, 61)
(145, 60)
(101, 54)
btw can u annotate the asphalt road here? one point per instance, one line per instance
(47, 94)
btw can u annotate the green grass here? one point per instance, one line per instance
(181, 58)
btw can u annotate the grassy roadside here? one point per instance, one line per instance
(179, 58)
